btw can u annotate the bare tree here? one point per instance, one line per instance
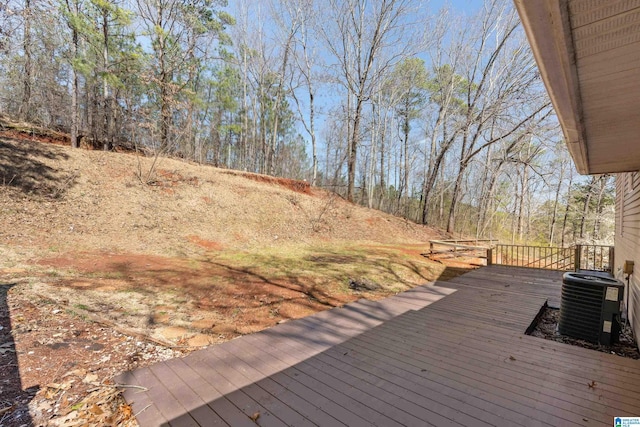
(502, 74)
(567, 208)
(562, 163)
(364, 36)
(24, 113)
(306, 59)
(290, 22)
(73, 11)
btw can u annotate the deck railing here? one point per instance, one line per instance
(455, 245)
(551, 258)
(578, 257)
(594, 257)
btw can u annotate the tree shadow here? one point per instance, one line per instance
(12, 395)
(452, 272)
(240, 374)
(23, 166)
(243, 297)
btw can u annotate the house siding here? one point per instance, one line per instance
(627, 241)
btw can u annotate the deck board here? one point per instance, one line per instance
(446, 353)
(472, 372)
(345, 376)
(336, 390)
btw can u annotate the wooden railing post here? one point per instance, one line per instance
(489, 256)
(578, 255)
(612, 258)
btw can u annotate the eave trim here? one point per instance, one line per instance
(548, 28)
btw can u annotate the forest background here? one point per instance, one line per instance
(436, 114)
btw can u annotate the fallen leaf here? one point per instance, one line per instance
(255, 417)
(63, 403)
(60, 386)
(90, 378)
(77, 406)
(95, 410)
(50, 393)
(512, 358)
(126, 411)
(592, 384)
(67, 419)
(76, 373)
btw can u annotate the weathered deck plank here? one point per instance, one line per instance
(446, 353)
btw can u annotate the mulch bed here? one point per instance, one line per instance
(547, 328)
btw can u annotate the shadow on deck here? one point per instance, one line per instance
(447, 353)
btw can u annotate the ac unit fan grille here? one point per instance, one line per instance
(582, 309)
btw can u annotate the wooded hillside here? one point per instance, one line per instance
(437, 116)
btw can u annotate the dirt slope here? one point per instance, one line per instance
(109, 261)
(56, 198)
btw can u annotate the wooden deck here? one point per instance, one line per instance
(447, 353)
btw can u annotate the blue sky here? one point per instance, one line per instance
(458, 5)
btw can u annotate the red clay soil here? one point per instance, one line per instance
(45, 139)
(206, 244)
(243, 300)
(290, 184)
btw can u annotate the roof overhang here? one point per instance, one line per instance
(588, 53)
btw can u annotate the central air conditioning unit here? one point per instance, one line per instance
(590, 307)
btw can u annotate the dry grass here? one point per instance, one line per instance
(66, 213)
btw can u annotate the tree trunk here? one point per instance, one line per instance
(74, 80)
(405, 184)
(596, 221)
(314, 153)
(434, 164)
(108, 103)
(383, 183)
(24, 111)
(165, 110)
(566, 210)
(353, 150)
(165, 81)
(463, 166)
(524, 189)
(555, 205)
(585, 208)
(488, 202)
(375, 118)
(276, 107)
(454, 199)
(484, 198)
(244, 129)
